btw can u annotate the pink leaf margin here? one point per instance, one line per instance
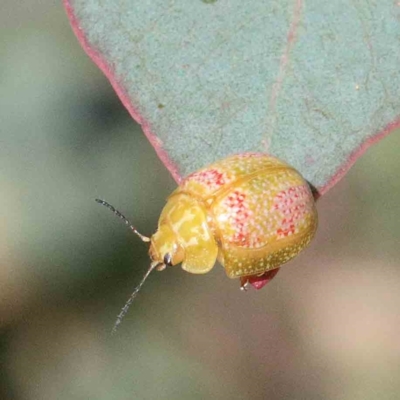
(146, 126)
(357, 153)
(121, 93)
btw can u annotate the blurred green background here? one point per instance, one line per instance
(327, 327)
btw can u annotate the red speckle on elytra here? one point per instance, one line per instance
(291, 204)
(240, 213)
(212, 178)
(285, 232)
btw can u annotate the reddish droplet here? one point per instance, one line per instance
(259, 282)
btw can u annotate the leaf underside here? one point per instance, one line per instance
(313, 83)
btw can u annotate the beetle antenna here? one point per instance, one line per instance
(125, 308)
(117, 213)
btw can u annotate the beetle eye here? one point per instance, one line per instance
(168, 260)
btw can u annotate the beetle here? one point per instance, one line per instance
(252, 212)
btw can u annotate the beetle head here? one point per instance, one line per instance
(164, 248)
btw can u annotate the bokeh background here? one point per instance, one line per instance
(327, 327)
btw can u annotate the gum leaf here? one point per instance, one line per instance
(314, 83)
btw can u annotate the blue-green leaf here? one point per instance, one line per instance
(312, 82)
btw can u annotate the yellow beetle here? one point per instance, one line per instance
(252, 212)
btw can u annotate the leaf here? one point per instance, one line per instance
(314, 83)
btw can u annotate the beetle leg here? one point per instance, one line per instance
(244, 284)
